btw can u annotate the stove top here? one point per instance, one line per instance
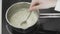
(11, 31)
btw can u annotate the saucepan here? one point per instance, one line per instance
(20, 19)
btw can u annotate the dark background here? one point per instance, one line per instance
(47, 24)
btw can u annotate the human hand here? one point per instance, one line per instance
(42, 4)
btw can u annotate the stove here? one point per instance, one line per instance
(49, 20)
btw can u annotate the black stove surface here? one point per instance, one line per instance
(47, 25)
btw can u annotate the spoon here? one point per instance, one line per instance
(24, 22)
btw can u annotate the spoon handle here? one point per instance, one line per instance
(24, 22)
(29, 15)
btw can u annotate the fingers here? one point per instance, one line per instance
(32, 6)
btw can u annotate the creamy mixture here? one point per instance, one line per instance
(21, 15)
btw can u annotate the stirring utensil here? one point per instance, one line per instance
(24, 22)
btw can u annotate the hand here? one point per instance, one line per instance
(42, 4)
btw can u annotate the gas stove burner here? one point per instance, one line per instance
(8, 29)
(13, 31)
